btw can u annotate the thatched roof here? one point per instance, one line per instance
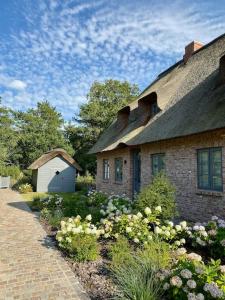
(189, 97)
(52, 154)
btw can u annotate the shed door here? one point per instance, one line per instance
(56, 180)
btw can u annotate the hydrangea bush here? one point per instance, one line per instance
(71, 227)
(210, 236)
(116, 205)
(191, 279)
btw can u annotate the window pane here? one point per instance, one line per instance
(118, 169)
(158, 163)
(105, 169)
(203, 169)
(216, 166)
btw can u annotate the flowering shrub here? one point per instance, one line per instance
(211, 236)
(173, 234)
(25, 188)
(191, 279)
(52, 201)
(96, 198)
(73, 226)
(135, 227)
(116, 205)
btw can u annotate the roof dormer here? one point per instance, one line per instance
(123, 117)
(148, 107)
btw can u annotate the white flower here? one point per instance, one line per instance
(170, 223)
(222, 243)
(148, 211)
(194, 256)
(213, 289)
(87, 230)
(200, 242)
(158, 208)
(128, 229)
(145, 221)
(222, 269)
(139, 215)
(212, 232)
(59, 238)
(166, 286)
(183, 224)
(158, 230)
(178, 227)
(88, 218)
(199, 270)
(182, 241)
(186, 274)
(176, 281)
(116, 235)
(181, 251)
(191, 296)
(214, 218)
(136, 240)
(200, 296)
(191, 284)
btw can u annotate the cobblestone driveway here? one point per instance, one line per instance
(30, 267)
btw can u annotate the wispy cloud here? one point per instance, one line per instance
(66, 45)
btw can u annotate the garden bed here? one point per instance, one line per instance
(127, 250)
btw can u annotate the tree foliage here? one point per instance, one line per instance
(39, 129)
(8, 138)
(103, 102)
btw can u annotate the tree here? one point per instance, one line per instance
(8, 138)
(39, 130)
(103, 102)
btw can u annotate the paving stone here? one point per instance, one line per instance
(31, 268)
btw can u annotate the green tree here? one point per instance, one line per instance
(39, 129)
(8, 138)
(103, 102)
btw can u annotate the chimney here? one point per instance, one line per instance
(190, 49)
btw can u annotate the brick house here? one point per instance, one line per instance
(177, 124)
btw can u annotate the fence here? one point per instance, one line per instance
(4, 182)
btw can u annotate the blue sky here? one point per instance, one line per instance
(55, 49)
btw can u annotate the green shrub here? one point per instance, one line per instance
(13, 171)
(85, 182)
(160, 192)
(157, 253)
(25, 188)
(120, 252)
(84, 248)
(137, 280)
(96, 198)
(78, 205)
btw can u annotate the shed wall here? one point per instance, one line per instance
(48, 181)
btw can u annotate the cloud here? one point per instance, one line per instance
(67, 45)
(17, 85)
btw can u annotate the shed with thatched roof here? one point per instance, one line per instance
(54, 171)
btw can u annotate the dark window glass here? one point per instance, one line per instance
(158, 163)
(105, 169)
(118, 169)
(210, 169)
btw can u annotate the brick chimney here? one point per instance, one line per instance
(190, 49)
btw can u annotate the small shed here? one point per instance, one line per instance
(54, 171)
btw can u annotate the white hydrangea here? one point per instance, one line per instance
(148, 211)
(191, 284)
(158, 208)
(186, 274)
(176, 281)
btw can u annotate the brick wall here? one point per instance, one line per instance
(181, 168)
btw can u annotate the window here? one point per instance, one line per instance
(158, 163)
(209, 163)
(105, 169)
(118, 169)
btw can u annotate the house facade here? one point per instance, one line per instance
(177, 125)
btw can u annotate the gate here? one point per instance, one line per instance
(4, 182)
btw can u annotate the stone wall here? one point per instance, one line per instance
(181, 168)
